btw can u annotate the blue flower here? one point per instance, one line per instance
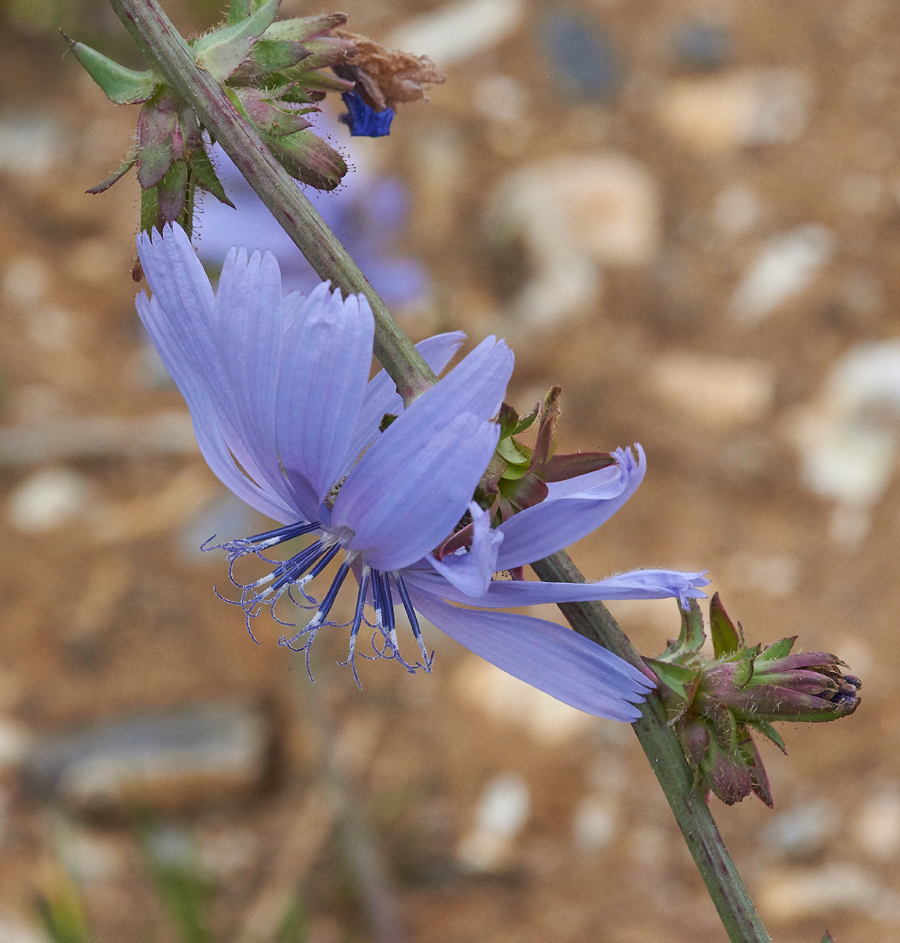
(278, 393)
(572, 509)
(367, 213)
(363, 120)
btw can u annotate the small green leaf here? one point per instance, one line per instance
(183, 893)
(508, 420)
(127, 164)
(122, 86)
(514, 453)
(691, 637)
(301, 28)
(149, 210)
(725, 729)
(679, 683)
(743, 672)
(223, 50)
(295, 95)
(271, 56)
(62, 915)
(311, 79)
(765, 728)
(726, 638)
(779, 649)
(527, 420)
(205, 173)
(172, 190)
(238, 11)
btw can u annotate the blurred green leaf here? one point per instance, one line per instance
(62, 915)
(183, 892)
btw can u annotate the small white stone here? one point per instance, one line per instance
(849, 436)
(25, 280)
(50, 327)
(595, 823)
(502, 812)
(737, 209)
(785, 267)
(805, 828)
(14, 930)
(719, 114)
(574, 213)
(29, 146)
(878, 825)
(720, 392)
(89, 857)
(458, 31)
(504, 806)
(48, 499)
(15, 742)
(800, 894)
(501, 98)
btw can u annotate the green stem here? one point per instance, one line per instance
(170, 57)
(728, 892)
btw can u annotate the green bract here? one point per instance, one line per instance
(715, 703)
(273, 74)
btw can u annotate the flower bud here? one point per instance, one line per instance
(715, 704)
(807, 686)
(156, 138)
(307, 158)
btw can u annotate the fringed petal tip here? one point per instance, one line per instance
(693, 590)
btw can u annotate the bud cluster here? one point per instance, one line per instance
(715, 704)
(275, 74)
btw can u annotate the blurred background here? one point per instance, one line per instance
(687, 212)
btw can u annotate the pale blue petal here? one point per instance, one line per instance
(381, 394)
(326, 358)
(248, 326)
(181, 323)
(572, 509)
(205, 419)
(471, 572)
(412, 487)
(638, 584)
(606, 482)
(545, 655)
(476, 385)
(175, 274)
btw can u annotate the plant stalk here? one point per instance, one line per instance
(726, 888)
(169, 55)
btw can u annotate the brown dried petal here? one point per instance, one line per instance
(387, 77)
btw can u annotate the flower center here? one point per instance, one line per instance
(376, 590)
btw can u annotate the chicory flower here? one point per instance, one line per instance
(278, 393)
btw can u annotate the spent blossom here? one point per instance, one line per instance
(277, 385)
